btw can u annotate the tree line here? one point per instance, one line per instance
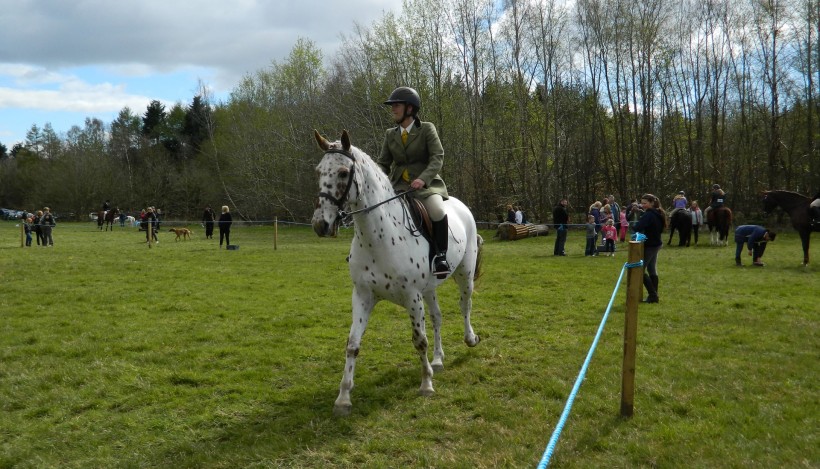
(534, 101)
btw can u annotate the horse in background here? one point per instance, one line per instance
(797, 206)
(388, 258)
(105, 219)
(719, 221)
(682, 222)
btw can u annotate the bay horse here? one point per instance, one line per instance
(719, 221)
(105, 218)
(797, 206)
(681, 221)
(389, 259)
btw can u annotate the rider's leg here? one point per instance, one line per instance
(435, 208)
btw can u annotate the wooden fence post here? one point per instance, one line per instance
(634, 291)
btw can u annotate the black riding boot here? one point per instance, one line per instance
(440, 234)
(651, 288)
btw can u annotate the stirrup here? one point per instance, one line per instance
(441, 269)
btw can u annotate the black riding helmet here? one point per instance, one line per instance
(407, 95)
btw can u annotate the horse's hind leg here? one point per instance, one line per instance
(363, 304)
(466, 285)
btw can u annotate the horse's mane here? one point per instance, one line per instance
(372, 167)
(788, 200)
(791, 193)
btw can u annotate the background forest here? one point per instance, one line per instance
(534, 101)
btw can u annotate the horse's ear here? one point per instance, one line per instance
(321, 140)
(345, 140)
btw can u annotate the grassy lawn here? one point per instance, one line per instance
(185, 355)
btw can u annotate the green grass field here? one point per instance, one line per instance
(185, 355)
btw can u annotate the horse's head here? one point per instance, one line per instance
(770, 202)
(335, 172)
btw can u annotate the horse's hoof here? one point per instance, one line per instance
(426, 392)
(342, 410)
(474, 343)
(437, 367)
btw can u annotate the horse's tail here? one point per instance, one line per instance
(479, 257)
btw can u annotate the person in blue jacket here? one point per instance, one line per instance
(755, 237)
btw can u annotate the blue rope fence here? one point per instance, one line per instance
(545, 459)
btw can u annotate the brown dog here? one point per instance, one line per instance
(184, 233)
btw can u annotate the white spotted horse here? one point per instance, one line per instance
(389, 259)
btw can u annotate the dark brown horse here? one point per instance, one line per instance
(797, 206)
(719, 221)
(682, 222)
(106, 219)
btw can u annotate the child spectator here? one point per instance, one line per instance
(610, 233)
(592, 235)
(624, 225)
(27, 228)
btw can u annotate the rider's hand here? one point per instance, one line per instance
(417, 184)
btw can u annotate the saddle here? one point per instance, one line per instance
(420, 217)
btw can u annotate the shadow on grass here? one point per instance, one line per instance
(292, 429)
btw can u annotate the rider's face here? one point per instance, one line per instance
(400, 115)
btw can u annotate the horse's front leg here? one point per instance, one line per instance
(363, 303)
(805, 238)
(415, 309)
(435, 315)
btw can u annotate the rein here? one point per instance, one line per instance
(340, 202)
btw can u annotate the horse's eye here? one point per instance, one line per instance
(343, 174)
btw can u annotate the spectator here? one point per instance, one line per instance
(38, 230)
(609, 235)
(592, 236)
(510, 214)
(519, 215)
(651, 224)
(208, 217)
(756, 238)
(47, 223)
(225, 221)
(27, 228)
(697, 219)
(616, 210)
(560, 219)
(624, 225)
(151, 225)
(595, 211)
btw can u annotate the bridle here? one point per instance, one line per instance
(341, 201)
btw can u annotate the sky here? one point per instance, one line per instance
(62, 61)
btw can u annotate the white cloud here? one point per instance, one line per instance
(98, 56)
